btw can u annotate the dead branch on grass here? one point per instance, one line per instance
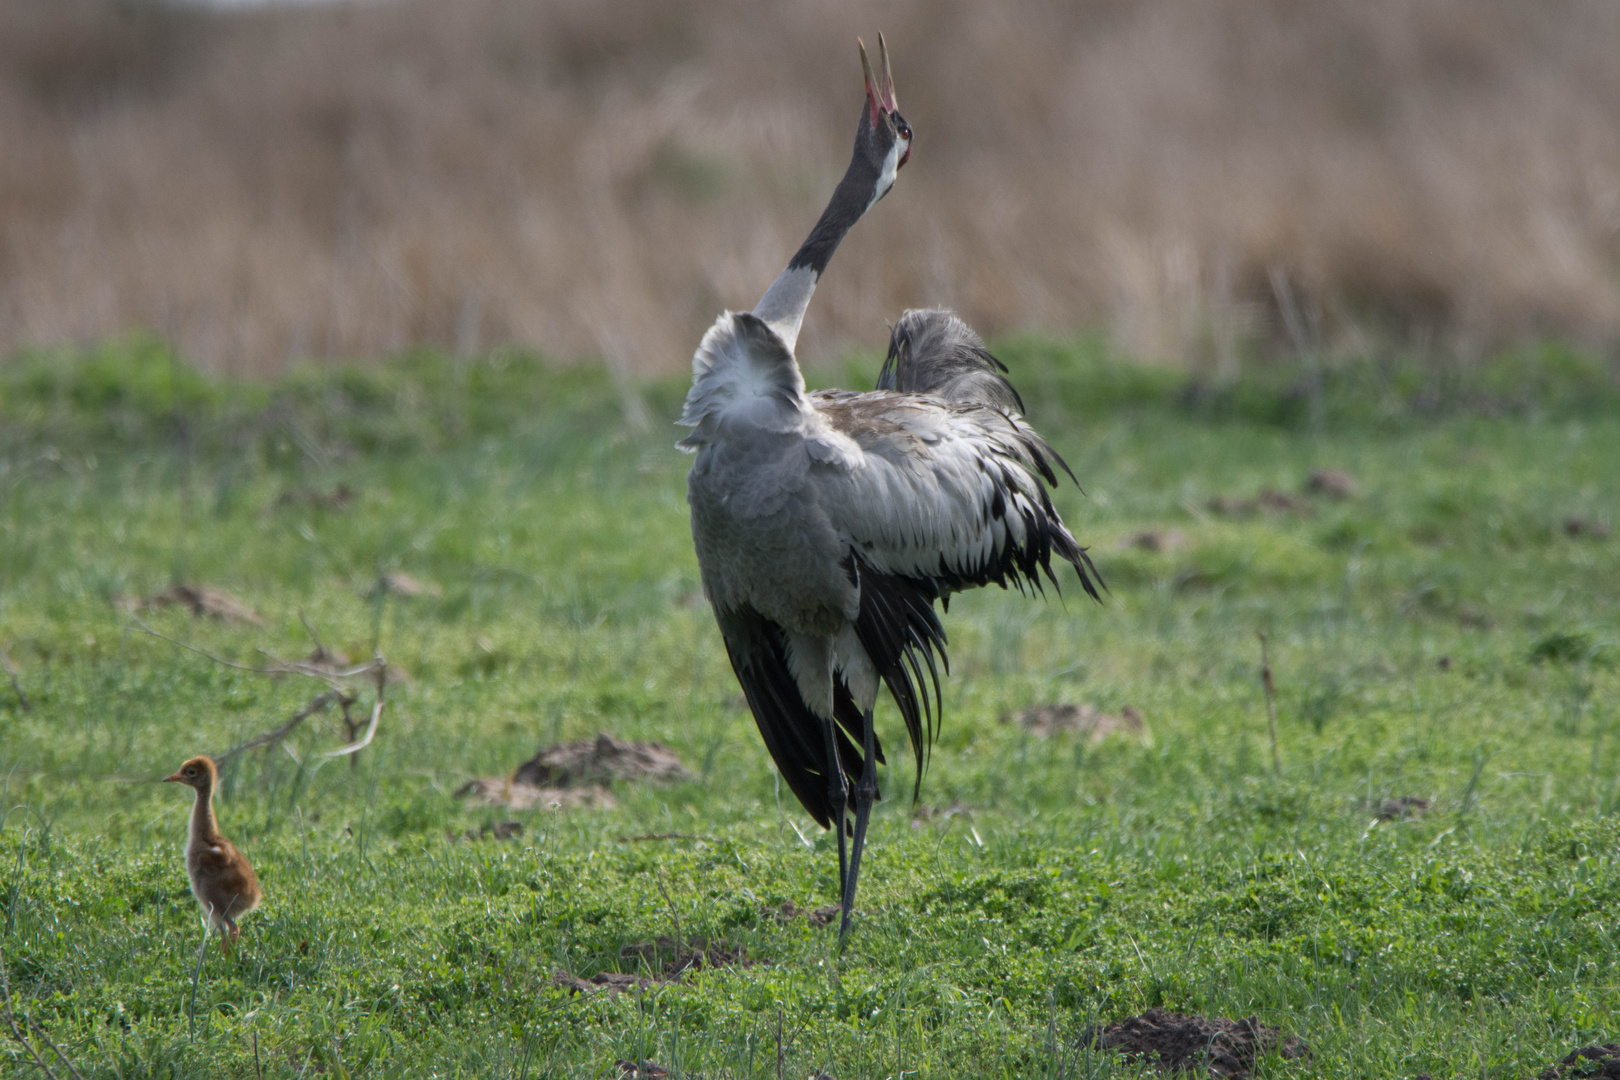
(332, 676)
(380, 667)
(16, 1032)
(277, 666)
(272, 738)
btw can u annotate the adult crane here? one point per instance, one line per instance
(827, 524)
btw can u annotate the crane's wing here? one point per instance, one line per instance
(931, 351)
(933, 497)
(949, 492)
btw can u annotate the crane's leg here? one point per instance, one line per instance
(838, 799)
(865, 795)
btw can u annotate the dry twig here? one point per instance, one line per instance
(1271, 707)
(16, 684)
(16, 1032)
(380, 670)
(270, 738)
(334, 678)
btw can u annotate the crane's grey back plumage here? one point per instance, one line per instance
(931, 351)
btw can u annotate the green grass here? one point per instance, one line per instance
(1084, 882)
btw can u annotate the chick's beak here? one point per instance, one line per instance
(174, 778)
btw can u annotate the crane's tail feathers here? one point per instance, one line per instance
(793, 733)
(903, 637)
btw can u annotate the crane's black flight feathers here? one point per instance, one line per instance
(792, 732)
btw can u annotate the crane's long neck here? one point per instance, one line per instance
(783, 305)
(204, 829)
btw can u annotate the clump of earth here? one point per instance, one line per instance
(1215, 1046)
(577, 774)
(1597, 1062)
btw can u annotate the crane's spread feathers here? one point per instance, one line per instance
(812, 513)
(953, 492)
(931, 351)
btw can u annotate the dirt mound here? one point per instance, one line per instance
(576, 774)
(499, 791)
(1269, 499)
(1585, 526)
(1334, 483)
(600, 761)
(1158, 541)
(612, 981)
(1045, 721)
(203, 600)
(1402, 807)
(1172, 1042)
(335, 501)
(666, 958)
(1588, 1063)
(821, 916)
(673, 958)
(640, 1070)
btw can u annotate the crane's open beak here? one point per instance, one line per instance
(886, 84)
(874, 96)
(879, 89)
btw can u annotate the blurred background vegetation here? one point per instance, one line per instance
(1207, 185)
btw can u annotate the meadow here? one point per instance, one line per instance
(1448, 631)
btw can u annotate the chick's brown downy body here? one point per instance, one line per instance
(222, 879)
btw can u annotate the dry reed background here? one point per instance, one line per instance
(600, 177)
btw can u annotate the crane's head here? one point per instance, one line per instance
(884, 137)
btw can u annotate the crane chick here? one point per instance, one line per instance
(222, 879)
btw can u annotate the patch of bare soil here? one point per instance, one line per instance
(1045, 721)
(499, 791)
(1173, 1042)
(672, 958)
(1590, 528)
(640, 1070)
(1588, 1063)
(576, 774)
(1156, 540)
(335, 501)
(1334, 483)
(666, 958)
(1268, 499)
(1402, 807)
(821, 916)
(600, 761)
(203, 600)
(612, 981)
